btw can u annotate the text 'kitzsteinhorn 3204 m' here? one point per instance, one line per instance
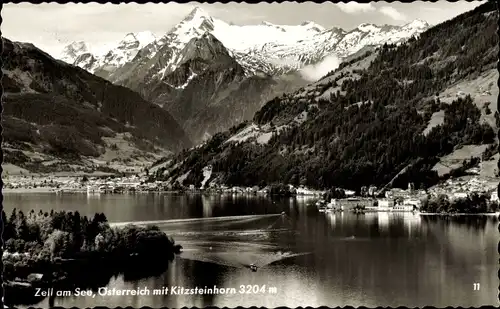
(234, 154)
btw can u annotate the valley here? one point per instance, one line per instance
(242, 108)
(164, 146)
(57, 117)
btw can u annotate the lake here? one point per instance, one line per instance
(304, 258)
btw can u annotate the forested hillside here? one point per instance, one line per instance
(362, 124)
(55, 112)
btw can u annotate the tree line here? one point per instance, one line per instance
(473, 204)
(35, 241)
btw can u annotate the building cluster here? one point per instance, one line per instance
(300, 190)
(410, 199)
(74, 184)
(373, 204)
(462, 187)
(394, 200)
(369, 198)
(51, 183)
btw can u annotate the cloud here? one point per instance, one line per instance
(393, 13)
(316, 71)
(355, 8)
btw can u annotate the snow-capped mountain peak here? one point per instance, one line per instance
(417, 24)
(264, 47)
(129, 38)
(78, 46)
(197, 13)
(136, 40)
(73, 50)
(198, 19)
(194, 25)
(313, 26)
(365, 27)
(123, 52)
(145, 37)
(128, 48)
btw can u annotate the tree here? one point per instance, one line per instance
(22, 229)
(59, 244)
(8, 230)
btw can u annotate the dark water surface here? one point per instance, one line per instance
(305, 258)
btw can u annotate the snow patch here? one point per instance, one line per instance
(188, 80)
(368, 28)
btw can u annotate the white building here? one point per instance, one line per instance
(458, 195)
(372, 190)
(494, 196)
(385, 203)
(412, 201)
(349, 192)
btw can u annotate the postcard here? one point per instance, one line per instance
(292, 154)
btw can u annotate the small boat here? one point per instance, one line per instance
(178, 249)
(253, 267)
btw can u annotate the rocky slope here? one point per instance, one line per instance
(57, 116)
(368, 121)
(207, 91)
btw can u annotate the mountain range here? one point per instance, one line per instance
(420, 111)
(211, 75)
(265, 48)
(60, 117)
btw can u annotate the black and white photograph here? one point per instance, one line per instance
(294, 154)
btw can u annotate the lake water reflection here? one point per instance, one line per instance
(305, 259)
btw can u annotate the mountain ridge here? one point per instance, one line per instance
(367, 121)
(268, 41)
(55, 112)
(265, 58)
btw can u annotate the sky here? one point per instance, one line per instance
(51, 26)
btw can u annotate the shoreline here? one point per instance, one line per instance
(82, 191)
(459, 214)
(32, 190)
(197, 192)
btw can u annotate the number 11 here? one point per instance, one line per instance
(476, 286)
